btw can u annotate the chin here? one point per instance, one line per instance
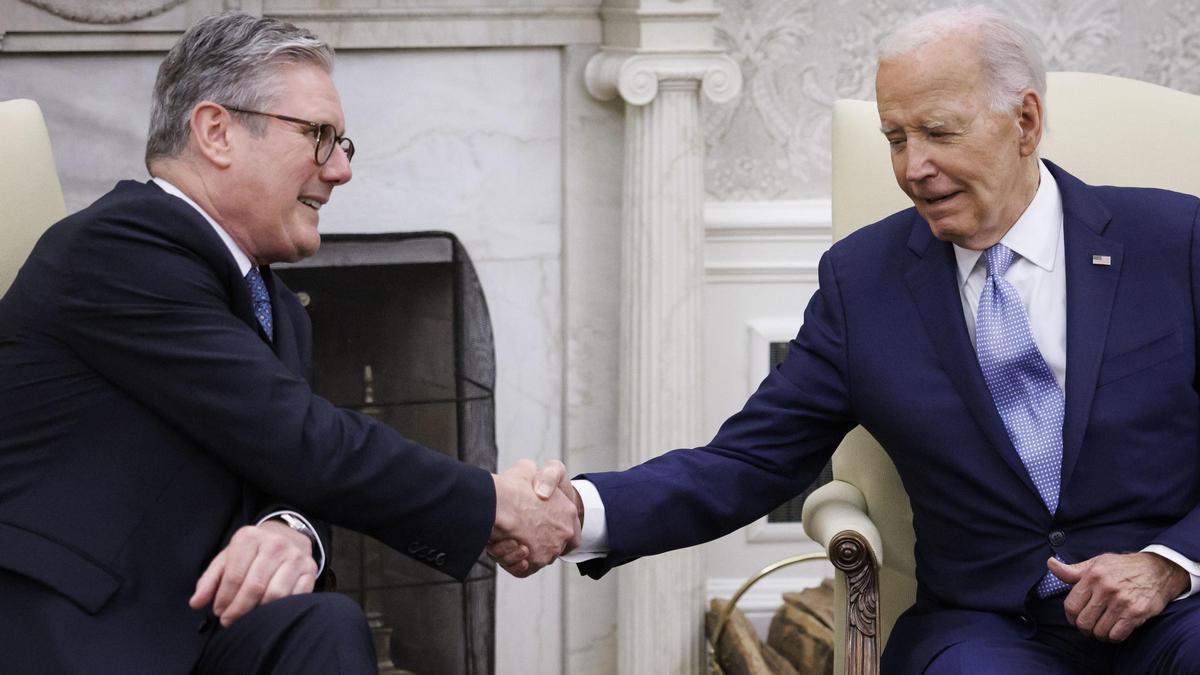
(950, 232)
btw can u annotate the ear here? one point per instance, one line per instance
(212, 133)
(1030, 121)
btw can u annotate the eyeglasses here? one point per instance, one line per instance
(325, 133)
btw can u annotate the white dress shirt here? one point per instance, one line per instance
(244, 265)
(1039, 274)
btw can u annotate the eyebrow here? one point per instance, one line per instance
(933, 124)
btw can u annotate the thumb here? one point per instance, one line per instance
(1068, 573)
(549, 478)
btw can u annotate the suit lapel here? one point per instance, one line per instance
(933, 284)
(1091, 290)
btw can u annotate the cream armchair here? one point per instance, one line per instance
(1104, 130)
(30, 196)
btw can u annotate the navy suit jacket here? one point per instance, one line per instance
(144, 418)
(884, 345)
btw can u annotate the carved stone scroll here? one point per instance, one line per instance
(112, 12)
(850, 553)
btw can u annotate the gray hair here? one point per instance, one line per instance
(232, 59)
(1011, 60)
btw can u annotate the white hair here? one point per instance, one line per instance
(1008, 51)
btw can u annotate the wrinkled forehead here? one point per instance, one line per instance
(947, 70)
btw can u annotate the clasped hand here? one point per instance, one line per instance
(538, 517)
(1114, 593)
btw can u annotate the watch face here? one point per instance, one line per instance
(294, 522)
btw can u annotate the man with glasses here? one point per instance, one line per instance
(163, 460)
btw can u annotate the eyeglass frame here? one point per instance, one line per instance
(312, 127)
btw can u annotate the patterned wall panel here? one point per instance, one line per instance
(798, 56)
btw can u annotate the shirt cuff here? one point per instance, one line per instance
(320, 556)
(594, 537)
(1189, 566)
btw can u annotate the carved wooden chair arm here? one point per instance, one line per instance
(835, 516)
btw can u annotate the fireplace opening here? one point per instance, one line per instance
(401, 332)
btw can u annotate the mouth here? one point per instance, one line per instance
(311, 203)
(938, 200)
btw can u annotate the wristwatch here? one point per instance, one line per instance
(300, 526)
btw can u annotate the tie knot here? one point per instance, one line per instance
(998, 258)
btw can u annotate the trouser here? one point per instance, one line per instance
(1168, 643)
(307, 633)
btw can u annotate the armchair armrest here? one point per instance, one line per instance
(835, 516)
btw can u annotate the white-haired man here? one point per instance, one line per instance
(160, 441)
(1024, 347)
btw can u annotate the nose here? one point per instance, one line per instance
(918, 162)
(337, 170)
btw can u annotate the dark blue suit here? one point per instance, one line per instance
(143, 419)
(884, 345)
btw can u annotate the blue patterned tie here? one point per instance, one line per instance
(1024, 389)
(262, 301)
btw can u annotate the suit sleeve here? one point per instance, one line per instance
(763, 455)
(1184, 536)
(148, 314)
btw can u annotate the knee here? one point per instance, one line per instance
(333, 612)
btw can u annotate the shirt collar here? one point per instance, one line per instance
(243, 260)
(1034, 236)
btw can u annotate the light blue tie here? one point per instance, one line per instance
(1024, 389)
(262, 301)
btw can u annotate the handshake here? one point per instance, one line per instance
(538, 517)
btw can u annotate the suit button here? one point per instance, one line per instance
(1058, 538)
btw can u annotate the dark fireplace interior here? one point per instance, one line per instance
(401, 332)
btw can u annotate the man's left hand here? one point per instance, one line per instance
(262, 563)
(1115, 593)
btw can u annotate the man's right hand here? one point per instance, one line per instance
(536, 521)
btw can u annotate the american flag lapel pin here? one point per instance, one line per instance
(1104, 260)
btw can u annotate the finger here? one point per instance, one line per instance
(281, 584)
(549, 478)
(206, 586)
(507, 552)
(520, 570)
(305, 583)
(1070, 574)
(284, 581)
(1122, 629)
(1077, 599)
(1088, 619)
(1103, 627)
(240, 555)
(515, 556)
(498, 549)
(250, 592)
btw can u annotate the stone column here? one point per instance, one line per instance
(660, 599)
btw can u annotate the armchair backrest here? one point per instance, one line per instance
(30, 196)
(1103, 129)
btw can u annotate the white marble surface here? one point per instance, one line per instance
(592, 263)
(468, 141)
